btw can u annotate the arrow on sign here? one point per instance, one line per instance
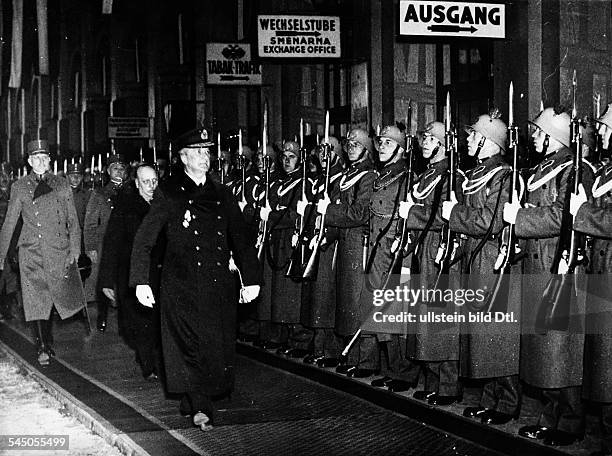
(234, 78)
(293, 33)
(451, 28)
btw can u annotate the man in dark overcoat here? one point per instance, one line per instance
(139, 323)
(49, 245)
(594, 218)
(551, 360)
(205, 233)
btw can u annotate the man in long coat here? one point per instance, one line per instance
(49, 245)
(553, 360)
(198, 293)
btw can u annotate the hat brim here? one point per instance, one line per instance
(38, 152)
(198, 145)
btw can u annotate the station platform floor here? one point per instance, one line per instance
(280, 406)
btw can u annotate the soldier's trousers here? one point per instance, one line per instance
(442, 377)
(502, 394)
(564, 410)
(326, 343)
(397, 365)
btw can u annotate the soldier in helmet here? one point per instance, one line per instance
(97, 214)
(551, 361)
(286, 294)
(595, 219)
(346, 210)
(489, 353)
(49, 246)
(438, 349)
(319, 298)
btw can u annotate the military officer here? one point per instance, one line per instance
(490, 352)
(202, 222)
(551, 361)
(49, 245)
(437, 348)
(79, 193)
(319, 298)
(595, 219)
(97, 214)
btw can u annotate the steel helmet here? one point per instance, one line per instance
(491, 127)
(360, 136)
(292, 146)
(606, 119)
(435, 129)
(394, 133)
(554, 125)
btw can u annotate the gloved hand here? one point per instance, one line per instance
(264, 213)
(322, 204)
(145, 295)
(249, 293)
(242, 204)
(109, 293)
(405, 206)
(301, 207)
(577, 200)
(511, 209)
(447, 206)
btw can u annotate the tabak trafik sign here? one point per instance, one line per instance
(231, 64)
(298, 36)
(456, 19)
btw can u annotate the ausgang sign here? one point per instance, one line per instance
(458, 19)
(230, 64)
(298, 36)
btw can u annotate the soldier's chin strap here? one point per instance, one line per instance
(361, 155)
(479, 147)
(545, 144)
(389, 160)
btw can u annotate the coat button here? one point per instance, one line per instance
(218, 203)
(219, 233)
(198, 248)
(218, 264)
(218, 217)
(40, 235)
(219, 247)
(199, 263)
(195, 232)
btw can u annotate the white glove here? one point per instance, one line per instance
(145, 295)
(405, 206)
(264, 213)
(322, 205)
(109, 293)
(301, 207)
(249, 293)
(93, 256)
(510, 210)
(447, 206)
(577, 200)
(242, 204)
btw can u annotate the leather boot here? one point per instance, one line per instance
(43, 355)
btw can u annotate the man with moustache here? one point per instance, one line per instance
(205, 233)
(139, 322)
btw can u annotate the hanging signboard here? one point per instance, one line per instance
(231, 64)
(456, 19)
(130, 127)
(298, 36)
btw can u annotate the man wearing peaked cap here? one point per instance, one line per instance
(98, 212)
(49, 246)
(80, 194)
(199, 293)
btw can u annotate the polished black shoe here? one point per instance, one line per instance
(474, 412)
(495, 417)
(397, 386)
(357, 372)
(443, 400)
(312, 358)
(533, 431)
(380, 382)
(554, 437)
(327, 362)
(43, 357)
(297, 353)
(101, 324)
(423, 395)
(344, 368)
(283, 350)
(151, 378)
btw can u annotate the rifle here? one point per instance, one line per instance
(298, 256)
(448, 240)
(242, 166)
(554, 310)
(497, 298)
(312, 266)
(402, 240)
(220, 160)
(262, 234)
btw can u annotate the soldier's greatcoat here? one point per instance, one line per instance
(595, 219)
(98, 212)
(50, 235)
(319, 296)
(198, 293)
(554, 359)
(81, 198)
(351, 215)
(286, 299)
(430, 342)
(492, 349)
